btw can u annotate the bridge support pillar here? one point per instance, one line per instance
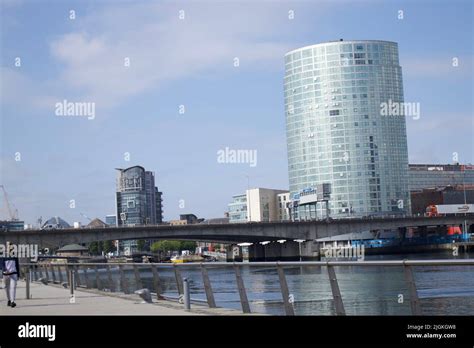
(256, 252)
(402, 231)
(287, 251)
(423, 231)
(234, 253)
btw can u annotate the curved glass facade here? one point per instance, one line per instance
(138, 200)
(335, 131)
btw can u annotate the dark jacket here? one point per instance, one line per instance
(3, 266)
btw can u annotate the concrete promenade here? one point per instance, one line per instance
(54, 300)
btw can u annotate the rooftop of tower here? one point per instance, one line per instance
(340, 41)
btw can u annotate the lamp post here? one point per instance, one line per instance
(465, 200)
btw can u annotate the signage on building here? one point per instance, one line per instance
(308, 195)
(322, 192)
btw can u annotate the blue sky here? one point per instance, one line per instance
(190, 62)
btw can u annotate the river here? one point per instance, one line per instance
(442, 290)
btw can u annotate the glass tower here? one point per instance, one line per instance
(337, 134)
(138, 201)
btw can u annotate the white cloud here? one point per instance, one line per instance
(163, 48)
(20, 90)
(437, 67)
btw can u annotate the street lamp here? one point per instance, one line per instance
(247, 196)
(465, 200)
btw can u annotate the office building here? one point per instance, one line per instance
(262, 204)
(238, 209)
(258, 205)
(283, 201)
(458, 194)
(12, 225)
(338, 138)
(111, 220)
(431, 176)
(138, 201)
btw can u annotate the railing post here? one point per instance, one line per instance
(52, 273)
(27, 280)
(414, 301)
(86, 278)
(207, 287)
(187, 296)
(60, 275)
(46, 272)
(138, 281)
(179, 279)
(289, 310)
(35, 272)
(242, 293)
(78, 276)
(67, 269)
(40, 269)
(111, 282)
(336, 293)
(156, 281)
(97, 278)
(123, 280)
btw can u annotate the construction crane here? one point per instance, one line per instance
(84, 215)
(12, 214)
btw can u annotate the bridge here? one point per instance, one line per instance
(252, 232)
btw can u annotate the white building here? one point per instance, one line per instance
(261, 204)
(283, 202)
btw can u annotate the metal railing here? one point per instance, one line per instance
(53, 273)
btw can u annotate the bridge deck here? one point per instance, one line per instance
(54, 300)
(224, 233)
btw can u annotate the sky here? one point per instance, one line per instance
(175, 82)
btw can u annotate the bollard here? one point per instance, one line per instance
(71, 281)
(28, 280)
(72, 284)
(187, 298)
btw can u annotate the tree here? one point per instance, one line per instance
(187, 245)
(141, 245)
(165, 245)
(172, 245)
(94, 248)
(108, 246)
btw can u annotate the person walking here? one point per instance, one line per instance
(11, 272)
(1, 273)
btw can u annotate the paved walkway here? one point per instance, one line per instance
(54, 300)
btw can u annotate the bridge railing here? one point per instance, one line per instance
(100, 276)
